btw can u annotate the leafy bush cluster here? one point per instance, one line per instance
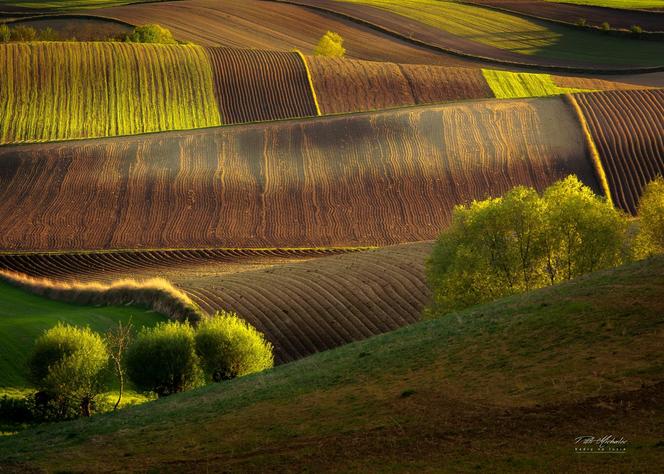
(526, 240)
(27, 33)
(152, 33)
(330, 45)
(70, 366)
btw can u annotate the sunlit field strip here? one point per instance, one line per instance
(514, 85)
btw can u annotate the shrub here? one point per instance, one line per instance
(151, 34)
(48, 34)
(636, 29)
(581, 22)
(5, 34)
(163, 359)
(522, 241)
(68, 365)
(15, 410)
(230, 347)
(23, 33)
(330, 45)
(605, 26)
(650, 238)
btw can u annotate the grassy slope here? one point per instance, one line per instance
(524, 36)
(627, 4)
(514, 85)
(23, 317)
(59, 91)
(498, 387)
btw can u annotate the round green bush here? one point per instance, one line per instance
(69, 366)
(163, 359)
(230, 347)
(151, 34)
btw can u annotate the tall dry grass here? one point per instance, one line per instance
(157, 294)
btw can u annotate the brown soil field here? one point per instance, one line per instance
(252, 85)
(593, 83)
(628, 130)
(302, 304)
(271, 25)
(356, 180)
(431, 84)
(568, 13)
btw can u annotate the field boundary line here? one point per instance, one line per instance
(311, 81)
(188, 249)
(456, 52)
(592, 147)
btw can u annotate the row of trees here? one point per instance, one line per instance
(71, 366)
(526, 240)
(151, 33)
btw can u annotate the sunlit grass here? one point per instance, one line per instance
(524, 36)
(514, 85)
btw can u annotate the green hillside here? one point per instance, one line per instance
(23, 317)
(501, 387)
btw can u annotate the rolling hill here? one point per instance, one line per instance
(538, 369)
(349, 180)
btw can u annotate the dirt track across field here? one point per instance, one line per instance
(354, 180)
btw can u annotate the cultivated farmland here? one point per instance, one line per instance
(47, 91)
(252, 85)
(627, 128)
(366, 179)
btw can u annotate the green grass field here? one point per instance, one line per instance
(514, 85)
(626, 4)
(501, 387)
(23, 317)
(67, 4)
(523, 36)
(60, 91)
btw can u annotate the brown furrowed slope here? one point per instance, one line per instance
(253, 86)
(344, 85)
(270, 25)
(356, 180)
(302, 308)
(568, 13)
(593, 83)
(628, 130)
(431, 84)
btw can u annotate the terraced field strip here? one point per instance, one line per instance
(627, 128)
(478, 32)
(430, 84)
(59, 91)
(571, 82)
(513, 85)
(592, 11)
(368, 179)
(261, 24)
(253, 86)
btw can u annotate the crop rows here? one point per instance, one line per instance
(513, 85)
(302, 307)
(627, 128)
(360, 180)
(252, 85)
(56, 91)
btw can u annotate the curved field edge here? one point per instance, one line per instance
(529, 369)
(156, 294)
(428, 37)
(164, 191)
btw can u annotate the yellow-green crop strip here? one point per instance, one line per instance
(514, 85)
(59, 91)
(525, 36)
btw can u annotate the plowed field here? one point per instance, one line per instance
(628, 130)
(252, 85)
(272, 25)
(302, 308)
(366, 179)
(59, 91)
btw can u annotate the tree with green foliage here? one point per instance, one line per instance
(118, 339)
(330, 45)
(23, 33)
(650, 238)
(152, 33)
(69, 366)
(521, 241)
(163, 359)
(230, 347)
